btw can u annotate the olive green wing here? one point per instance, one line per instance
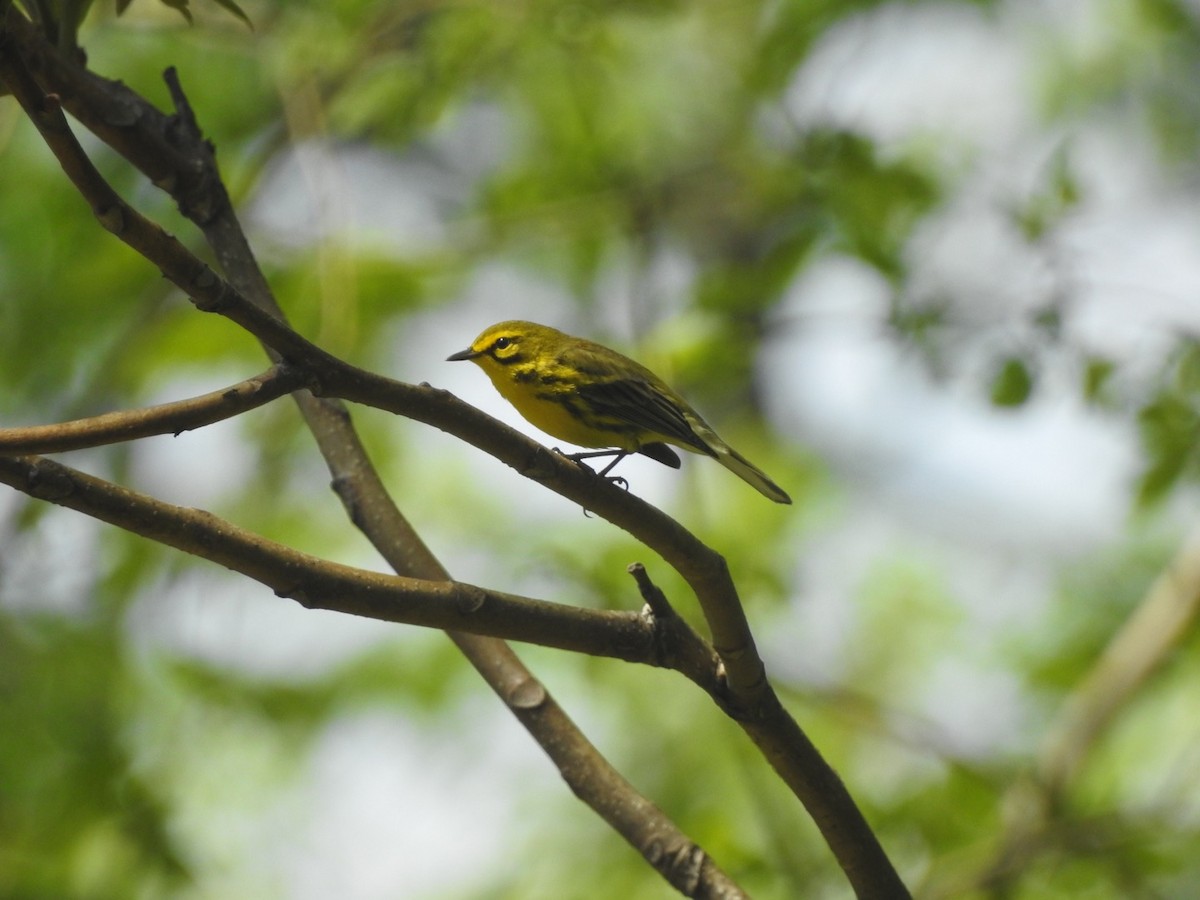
(644, 405)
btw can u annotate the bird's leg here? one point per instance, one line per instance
(596, 454)
(615, 479)
(617, 456)
(609, 467)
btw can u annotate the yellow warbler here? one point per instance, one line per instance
(580, 391)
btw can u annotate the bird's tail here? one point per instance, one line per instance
(750, 473)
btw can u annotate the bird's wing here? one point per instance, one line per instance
(642, 404)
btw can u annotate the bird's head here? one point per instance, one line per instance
(506, 344)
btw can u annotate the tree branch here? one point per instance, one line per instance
(320, 584)
(704, 569)
(678, 646)
(167, 418)
(749, 698)
(197, 188)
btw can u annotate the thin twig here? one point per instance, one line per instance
(677, 645)
(655, 599)
(167, 418)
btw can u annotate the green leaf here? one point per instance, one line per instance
(1013, 384)
(181, 6)
(230, 6)
(1169, 426)
(1096, 375)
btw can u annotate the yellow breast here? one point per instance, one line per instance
(554, 408)
(559, 413)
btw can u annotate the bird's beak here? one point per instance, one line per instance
(463, 354)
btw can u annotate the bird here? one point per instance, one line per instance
(580, 391)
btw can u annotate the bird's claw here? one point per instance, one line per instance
(578, 459)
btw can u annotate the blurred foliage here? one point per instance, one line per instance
(1013, 383)
(570, 146)
(60, 20)
(74, 820)
(1170, 425)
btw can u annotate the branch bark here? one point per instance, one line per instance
(321, 584)
(167, 418)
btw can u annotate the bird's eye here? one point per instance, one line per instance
(502, 343)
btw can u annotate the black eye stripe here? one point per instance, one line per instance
(506, 344)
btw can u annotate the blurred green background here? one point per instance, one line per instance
(932, 265)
